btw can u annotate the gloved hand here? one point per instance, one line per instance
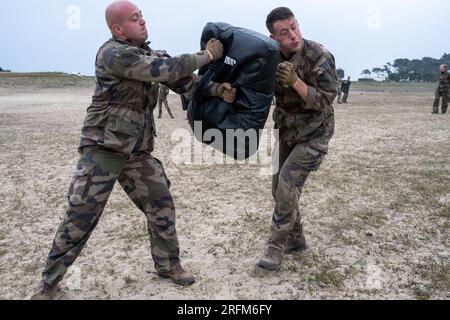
(226, 92)
(215, 47)
(286, 75)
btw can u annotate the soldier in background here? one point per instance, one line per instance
(306, 86)
(442, 90)
(163, 93)
(116, 143)
(345, 88)
(339, 91)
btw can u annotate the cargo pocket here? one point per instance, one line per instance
(121, 134)
(81, 181)
(312, 157)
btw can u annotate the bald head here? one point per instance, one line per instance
(125, 21)
(117, 12)
(443, 68)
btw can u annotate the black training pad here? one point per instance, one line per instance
(250, 62)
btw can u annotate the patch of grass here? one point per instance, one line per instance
(129, 280)
(393, 86)
(421, 293)
(326, 273)
(436, 275)
(329, 277)
(372, 218)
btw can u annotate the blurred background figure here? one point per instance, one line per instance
(345, 88)
(163, 93)
(443, 90)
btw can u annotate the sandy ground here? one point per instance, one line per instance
(376, 214)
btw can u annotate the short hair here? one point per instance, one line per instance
(280, 13)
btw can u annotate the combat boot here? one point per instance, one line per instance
(297, 244)
(178, 275)
(45, 291)
(271, 260)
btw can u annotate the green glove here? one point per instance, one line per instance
(215, 47)
(227, 92)
(286, 75)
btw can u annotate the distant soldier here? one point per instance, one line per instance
(163, 93)
(339, 91)
(345, 88)
(443, 90)
(117, 140)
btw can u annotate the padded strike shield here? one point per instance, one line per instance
(249, 64)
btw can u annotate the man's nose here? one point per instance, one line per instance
(143, 21)
(292, 35)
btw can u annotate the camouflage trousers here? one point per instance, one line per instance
(295, 163)
(445, 97)
(166, 104)
(339, 94)
(142, 177)
(345, 97)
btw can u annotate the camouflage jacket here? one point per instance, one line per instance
(120, 117)
(444, 81)
(310, 121)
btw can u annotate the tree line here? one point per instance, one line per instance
(422, 70)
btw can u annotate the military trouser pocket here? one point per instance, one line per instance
(121, 134)
(81, 182)
(307, 157)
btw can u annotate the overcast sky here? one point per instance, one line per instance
(64, 35)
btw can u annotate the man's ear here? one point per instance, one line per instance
(272, 36)
(117, 30)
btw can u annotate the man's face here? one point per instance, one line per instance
(442, 68)
(133, 25)
(287, 34)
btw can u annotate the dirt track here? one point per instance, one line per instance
(376, 214)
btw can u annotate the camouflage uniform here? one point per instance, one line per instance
(163, 93)
(339, 92)
(443, 91)
(117, 139)
(345, 88)
(305, 129)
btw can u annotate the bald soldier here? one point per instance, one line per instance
(117, 139)
(306, 86)
(443, 90)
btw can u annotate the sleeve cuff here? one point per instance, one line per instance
(310, 98)
(202, 58)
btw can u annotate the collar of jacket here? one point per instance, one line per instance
(145, 45)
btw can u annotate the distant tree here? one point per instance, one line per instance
(341, 73)
(366, 73)
(377, 71)
(423, 70)
(388, 69)
(445, 59)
